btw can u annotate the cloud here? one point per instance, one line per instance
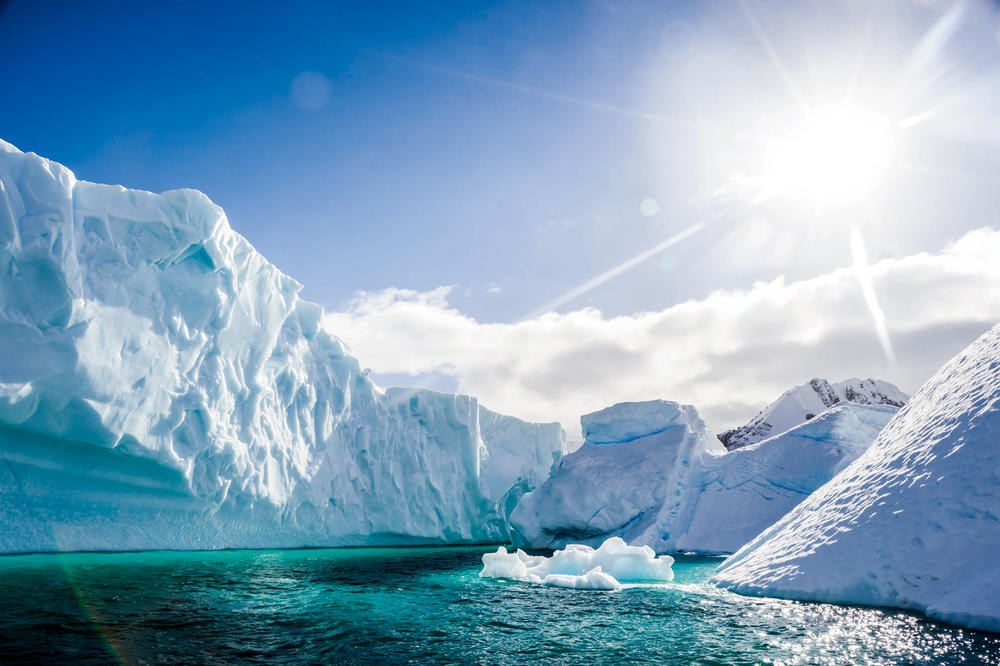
(729, 353)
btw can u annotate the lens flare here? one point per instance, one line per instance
(859, 252)
(835, 157)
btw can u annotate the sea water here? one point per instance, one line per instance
(423, 605)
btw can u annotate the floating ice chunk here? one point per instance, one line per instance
(595, 579)
(582, 567)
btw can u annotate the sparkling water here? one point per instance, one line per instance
(423, 605)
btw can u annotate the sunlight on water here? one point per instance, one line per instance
(424, 605)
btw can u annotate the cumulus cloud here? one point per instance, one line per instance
(729, 353)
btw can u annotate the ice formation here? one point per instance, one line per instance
(578, 566)
(163, 386)
(747, 490)
(804, 402)
(914, 522)
(651, 473)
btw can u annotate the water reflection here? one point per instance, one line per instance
(425, 605)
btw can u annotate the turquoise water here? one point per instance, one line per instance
(422, 605)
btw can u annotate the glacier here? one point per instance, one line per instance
(802, 403)
(162, 385)
(914, 522)
(652, 474)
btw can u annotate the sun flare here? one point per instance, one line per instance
(836, 156)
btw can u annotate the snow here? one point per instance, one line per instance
(747, 490)
(164, 386)
(914, 522)
(804, 402)
(579, 566)
(652, 474)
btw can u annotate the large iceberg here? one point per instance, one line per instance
(635, 476)
(652, 474)
(801, 403)
(914, 522)
(163, 386)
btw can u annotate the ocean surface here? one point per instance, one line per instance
(423, 605)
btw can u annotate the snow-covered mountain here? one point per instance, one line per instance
(163, 386)
(652, 474)
(803, 402)
(912, 523)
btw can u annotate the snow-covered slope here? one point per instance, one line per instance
(802, 403)
(163, 386)
(914, 522)
(747, 490)
(652, 474)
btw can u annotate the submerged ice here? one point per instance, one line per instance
(579, 566)
(162, 385)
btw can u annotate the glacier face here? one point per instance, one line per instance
(914, 522)
(802, 403)
(652, 474)
(163, 386)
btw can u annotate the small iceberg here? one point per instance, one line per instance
(609, 567)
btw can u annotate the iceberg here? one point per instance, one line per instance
(610, 566)
(652, 474)
(635, 475)
(914, 522)
(801, 403)
(162, 385)
(749, 489)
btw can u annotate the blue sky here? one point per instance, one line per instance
(506, 149)
(428, 179)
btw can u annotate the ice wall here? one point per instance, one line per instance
(162, 385)
(636, 476)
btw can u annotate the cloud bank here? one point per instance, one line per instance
(729, 353)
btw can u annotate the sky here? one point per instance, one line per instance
(559, 206)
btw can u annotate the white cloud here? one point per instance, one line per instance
(729, 353)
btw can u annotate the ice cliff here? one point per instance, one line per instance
(802, 403)
(912, 523)
(652, 474)
(163, 386)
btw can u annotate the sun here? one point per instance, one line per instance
(837, 156)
